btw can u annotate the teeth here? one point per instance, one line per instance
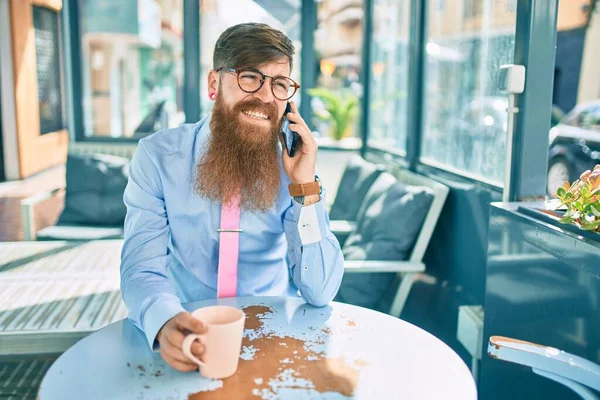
(256, 115)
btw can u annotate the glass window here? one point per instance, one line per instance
(464, 113)
(132, 66)
(338, 52)
(577, 93)
(48, 48)
(217, 16)
(389, 75)
(472, 9)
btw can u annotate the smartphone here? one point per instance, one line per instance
(289, 137)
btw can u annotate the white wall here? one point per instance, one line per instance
(589, 79)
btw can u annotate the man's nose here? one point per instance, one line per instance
(265, 94)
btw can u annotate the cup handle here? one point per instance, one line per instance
(186, 347)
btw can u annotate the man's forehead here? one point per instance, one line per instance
(274, 68)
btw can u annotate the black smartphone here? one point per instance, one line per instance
(290, 137)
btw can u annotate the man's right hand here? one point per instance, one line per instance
(170, 337)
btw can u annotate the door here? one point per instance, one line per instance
(42, 137)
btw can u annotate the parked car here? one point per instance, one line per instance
(574, 145)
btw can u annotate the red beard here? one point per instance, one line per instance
(241, 155)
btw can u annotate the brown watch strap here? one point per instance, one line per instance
(304, 189)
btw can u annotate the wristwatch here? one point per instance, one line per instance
(300, 190)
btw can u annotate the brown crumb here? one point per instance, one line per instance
(141, 368)
(362, 363)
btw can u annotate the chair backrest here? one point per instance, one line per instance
(552, 363)
(125, 149)
(440, 194)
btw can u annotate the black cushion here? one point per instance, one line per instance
(95, 186)
(357, 178)
(389, 221)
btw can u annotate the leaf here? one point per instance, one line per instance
(568, 195)
(595, 211)
(341, 109)
(560, 192)
(566, 220)
(592, 226)
(586, 190)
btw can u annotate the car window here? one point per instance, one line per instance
(571, 118)
(591, 119)
(595, 120)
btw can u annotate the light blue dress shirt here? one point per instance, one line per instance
(171, 249)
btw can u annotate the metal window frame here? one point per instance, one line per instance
(535, 48)
(72, 64)
(366, 74)
(416, 83)
(191, 60)
(308, 76)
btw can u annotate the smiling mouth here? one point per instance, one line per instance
(256, 115)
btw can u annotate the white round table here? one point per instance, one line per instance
(290, 351)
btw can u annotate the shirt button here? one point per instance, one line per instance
(306, 267)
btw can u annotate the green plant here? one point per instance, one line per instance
(582, 200)
(340, 110)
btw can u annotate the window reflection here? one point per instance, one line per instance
(389, 77)
(338, 53)
(132, 61)
(464, 116)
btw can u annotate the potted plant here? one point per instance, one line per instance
(340, 110)
(582, 201)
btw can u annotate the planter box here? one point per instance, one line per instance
(542, 285)
(544, 212)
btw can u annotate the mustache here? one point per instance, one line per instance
(254, 104)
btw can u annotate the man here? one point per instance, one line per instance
(184, 182)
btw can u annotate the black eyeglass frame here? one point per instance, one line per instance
(262, 81)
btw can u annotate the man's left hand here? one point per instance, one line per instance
(301, 167)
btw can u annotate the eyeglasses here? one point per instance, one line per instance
(250, 80)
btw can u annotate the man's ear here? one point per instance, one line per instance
(213, 81)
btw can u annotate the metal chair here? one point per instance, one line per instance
(575, 372)
(406, 269)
